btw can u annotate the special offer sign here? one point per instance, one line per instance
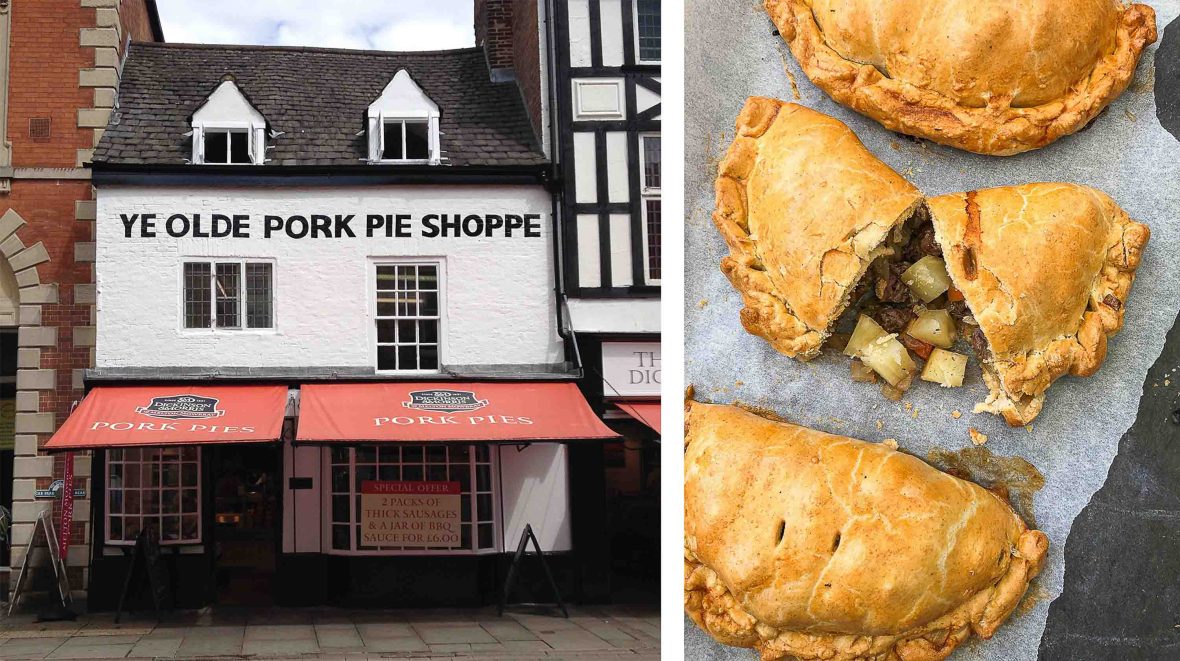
(411, 514)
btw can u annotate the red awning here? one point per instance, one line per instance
(446, 411)
(133, 416)
(646, 412)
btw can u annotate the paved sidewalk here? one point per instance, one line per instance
(591, 633)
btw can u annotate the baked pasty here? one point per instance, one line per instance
(805, 208)
(989, 76)
(804, 544)
(1045, 270)
(1032, 278)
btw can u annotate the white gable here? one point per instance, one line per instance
(227, 106)
(404, 99)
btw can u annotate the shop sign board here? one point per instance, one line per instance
(631, 369)
(413, 515)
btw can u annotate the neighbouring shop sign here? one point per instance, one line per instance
(411, 514)
(7, 423)
(631, 369)
(54, 491)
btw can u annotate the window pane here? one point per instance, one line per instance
(486, 535)
(648, 21)
(387, 358)
(386, 330)
(258, 295)
(429, 304)
(484, 507)
(417, 142)
(393, 141)
(116, 524)
(653, 238)
(412, 454)
(428, 331)
(190, 528)
(116, 502)
(651, 162)
(216, 147)
(366, 454)
(197, 280)
(239, 147)
(171, 529)
(407, 331)
(428, 357)
(228, 288)
(407, 357)
(340, 537)
(340, 508)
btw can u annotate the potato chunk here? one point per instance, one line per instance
(945, 368)
(888, 358)
(927, 278)
(934, 327)
(866, 331)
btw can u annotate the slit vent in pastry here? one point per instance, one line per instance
(998, 77)
(805, 544)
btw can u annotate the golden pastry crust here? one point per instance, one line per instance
(803, 206)
(1046, 269)
(805, 544)
(990, 77)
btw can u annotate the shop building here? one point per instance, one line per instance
(606, 64)
(60, 63)
(334, 361)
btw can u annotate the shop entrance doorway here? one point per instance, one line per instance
(246, 522)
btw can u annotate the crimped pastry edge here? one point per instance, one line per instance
(994, 130)
(766, 313)
(1017, 381)
(715, 609)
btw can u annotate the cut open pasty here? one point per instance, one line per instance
(989, 76)
(809, 545)
(1032, 278)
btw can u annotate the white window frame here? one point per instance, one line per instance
(648, 193)
(108, 491)
(254, 134)
(635, 30)
(431, 139)
(440, 266)
(213, 327)
(354, 520)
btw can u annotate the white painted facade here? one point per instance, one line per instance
(497, 305)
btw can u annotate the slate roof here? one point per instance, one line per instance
(317, 98)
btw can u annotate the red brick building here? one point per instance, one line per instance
(59, 71)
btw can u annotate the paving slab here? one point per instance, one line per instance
(155, 648)
(90, 652)
(403, 644)
(452, 633)
(280, 632)
(574, 639)
(279, 647)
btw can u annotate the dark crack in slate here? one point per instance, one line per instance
(1122, 558)
(1167, 79)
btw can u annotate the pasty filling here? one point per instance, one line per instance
(906, 320)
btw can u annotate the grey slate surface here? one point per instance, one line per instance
(317, 98)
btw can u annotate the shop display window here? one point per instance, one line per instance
(153, 487)
(473, 467)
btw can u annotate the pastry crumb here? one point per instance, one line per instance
(880, 425)
(895, 145)
(890, 442)
(739, 384)
(956, 415)
(977, 437)
(909, 406)
(1130, 115)
(1028, 428)
(1167, 382)
(914, 415)
(703, 302)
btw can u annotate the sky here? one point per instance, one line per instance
(369, 24)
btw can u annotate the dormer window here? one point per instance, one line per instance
(228, 129)
(403, 124)
(405, 140)
(227, 146)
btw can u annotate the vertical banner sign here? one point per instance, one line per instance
(67, 507)
(411, 514)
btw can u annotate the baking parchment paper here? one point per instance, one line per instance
(732, 52)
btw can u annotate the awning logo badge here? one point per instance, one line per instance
(444, 401)
(182, 407)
